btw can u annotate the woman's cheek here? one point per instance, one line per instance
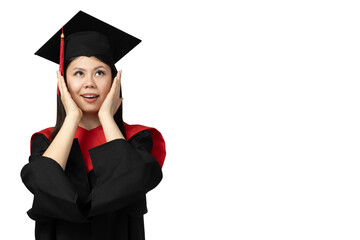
(105, 89)
(74, 87)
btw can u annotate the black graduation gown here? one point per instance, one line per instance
(107, 203)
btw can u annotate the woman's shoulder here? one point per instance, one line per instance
(138, 130)
(45, 132)
(132, 130)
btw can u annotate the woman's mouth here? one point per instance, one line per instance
(90, 97)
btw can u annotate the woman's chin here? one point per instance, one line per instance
(89, 110)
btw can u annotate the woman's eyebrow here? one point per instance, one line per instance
(101, 66)
(78, 69)
(83, 69)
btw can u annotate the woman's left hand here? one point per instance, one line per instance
(112, 101)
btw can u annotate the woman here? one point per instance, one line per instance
(90, 173)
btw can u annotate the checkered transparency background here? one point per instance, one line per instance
(257, 101)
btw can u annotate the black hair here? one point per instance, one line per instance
(61, 114)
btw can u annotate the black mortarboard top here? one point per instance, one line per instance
(86, 35)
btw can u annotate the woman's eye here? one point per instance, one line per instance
(78, 73)
(100, 73)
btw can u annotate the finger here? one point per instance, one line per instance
(119, 103)
(118, 76)
(118, 84)
(63, 88)
(119, 81)
(59, 82)
(114, 84)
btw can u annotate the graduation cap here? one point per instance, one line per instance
(85, 35)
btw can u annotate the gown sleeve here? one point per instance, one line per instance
(125, 171)
(54, 195)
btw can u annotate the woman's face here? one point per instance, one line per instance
(89, 81)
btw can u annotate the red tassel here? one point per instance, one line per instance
(61, 62)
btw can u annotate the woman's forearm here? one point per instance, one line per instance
(59, 148)
(111, 130)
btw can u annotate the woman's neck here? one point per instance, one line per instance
(89, 121)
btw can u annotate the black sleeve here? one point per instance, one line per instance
(54, 194)
(125, 172)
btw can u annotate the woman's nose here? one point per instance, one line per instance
(89, 82)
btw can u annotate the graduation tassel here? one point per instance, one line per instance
(61, 65)
(61, 62)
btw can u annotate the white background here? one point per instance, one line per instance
(258, 102)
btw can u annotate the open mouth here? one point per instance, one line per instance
(90, 96)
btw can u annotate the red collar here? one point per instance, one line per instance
(158, 151)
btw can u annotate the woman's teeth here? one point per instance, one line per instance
(89, 96)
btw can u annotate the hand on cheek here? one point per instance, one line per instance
(112, 101)
(71, 108)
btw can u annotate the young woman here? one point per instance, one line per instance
(90, 173)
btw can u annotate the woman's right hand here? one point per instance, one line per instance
(71, 108)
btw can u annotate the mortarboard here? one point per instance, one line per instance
(86, 35)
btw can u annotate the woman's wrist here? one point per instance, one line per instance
(105, 117)
(59, 148)
(111, 130)
(72, 119)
